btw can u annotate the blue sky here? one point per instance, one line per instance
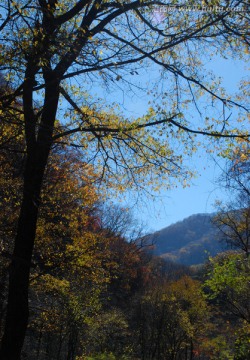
(177, 204)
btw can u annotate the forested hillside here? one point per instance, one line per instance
(190, 241)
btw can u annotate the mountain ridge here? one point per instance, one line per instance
(189, 241)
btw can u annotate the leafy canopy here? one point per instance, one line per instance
(116, 44)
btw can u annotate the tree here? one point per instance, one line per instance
(229, 281)
(234, 226)
(173, 319)
(67, 244)
(228, 284)
(109, 333)
(81, 263)
(233, 218)
(11, 167)
(73, 258)
(47, 45)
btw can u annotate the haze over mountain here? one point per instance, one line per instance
(188, 242)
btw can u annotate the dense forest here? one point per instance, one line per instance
(79, 278)
(96, 289)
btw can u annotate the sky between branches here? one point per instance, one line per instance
(199, 196)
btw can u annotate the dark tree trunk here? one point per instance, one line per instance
(17, 310)
(38, 149)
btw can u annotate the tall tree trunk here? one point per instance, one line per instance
(38, 151)
(17, 309)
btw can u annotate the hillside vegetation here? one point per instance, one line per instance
(190, 241)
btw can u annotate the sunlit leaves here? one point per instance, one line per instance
(125, 154)
(173, 317)
(229, 281)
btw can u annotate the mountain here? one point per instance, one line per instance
(188, 242)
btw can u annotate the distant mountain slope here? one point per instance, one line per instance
(189, 241)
